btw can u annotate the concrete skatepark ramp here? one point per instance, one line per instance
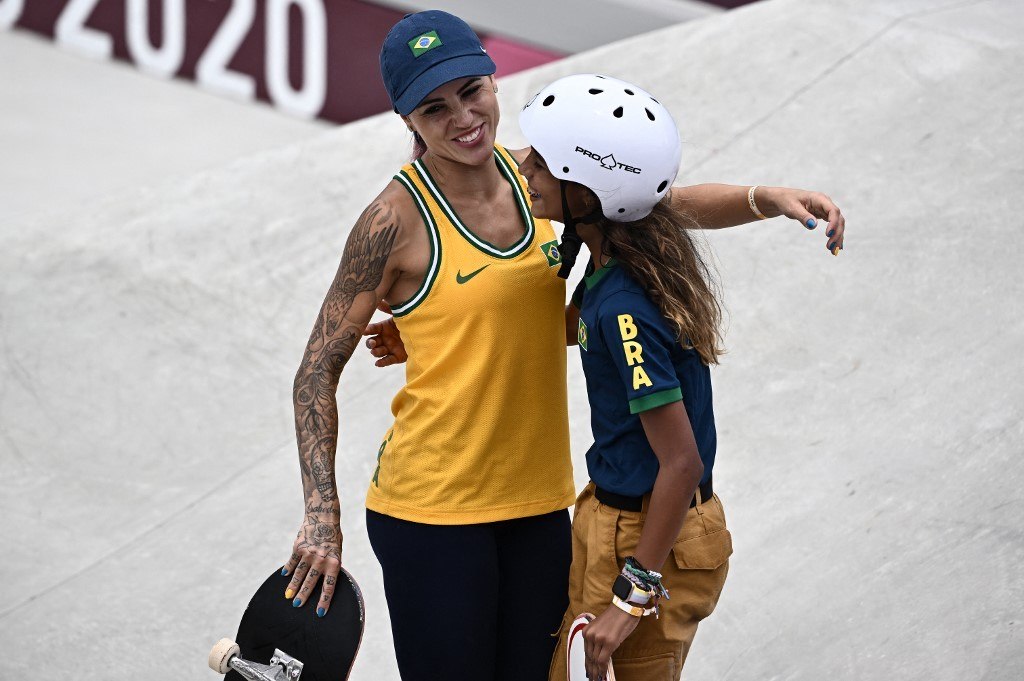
(870, 407)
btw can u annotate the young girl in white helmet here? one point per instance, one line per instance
(650, 544)
(627, 173)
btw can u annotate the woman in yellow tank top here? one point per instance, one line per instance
(467, 505)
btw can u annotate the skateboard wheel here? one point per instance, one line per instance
(221, 654)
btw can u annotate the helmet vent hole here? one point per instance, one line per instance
(661, 187)
(548, 100)
(618, 112)
(595, 91)
(622, 210)
(655, 101)
(649, 114)
(597, 76)
(565, 169)
(628, 91)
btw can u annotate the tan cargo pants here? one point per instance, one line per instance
(694, 574)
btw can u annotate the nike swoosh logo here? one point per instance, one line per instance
(463, 279)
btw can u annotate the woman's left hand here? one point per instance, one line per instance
(602, 638)
(806, 207)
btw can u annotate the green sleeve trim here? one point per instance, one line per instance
(654, 400)
(433, 238)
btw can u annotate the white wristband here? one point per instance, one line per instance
(634, 610)
(753, 204)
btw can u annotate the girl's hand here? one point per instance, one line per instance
(602, 638)
(807, 208)
(385, 341)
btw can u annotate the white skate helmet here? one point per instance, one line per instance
(609, 136)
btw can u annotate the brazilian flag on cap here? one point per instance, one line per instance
(424, 43)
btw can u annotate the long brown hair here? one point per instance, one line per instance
(659, 252)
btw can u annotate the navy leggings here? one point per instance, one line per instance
(474, 602)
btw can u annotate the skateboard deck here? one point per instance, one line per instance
(575, 658)
(278, 641)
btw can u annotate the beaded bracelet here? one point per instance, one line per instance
(651, 579)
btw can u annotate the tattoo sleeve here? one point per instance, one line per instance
(331, 343)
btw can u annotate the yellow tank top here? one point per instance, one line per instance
(481, 430)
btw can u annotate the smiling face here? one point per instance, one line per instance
(457, 121)
(545, 193)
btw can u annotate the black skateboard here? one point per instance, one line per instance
(278, 642)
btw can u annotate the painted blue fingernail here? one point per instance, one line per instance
(320, 612)
(811, 224)
(830, 233)
(296, 603)
(284, 572)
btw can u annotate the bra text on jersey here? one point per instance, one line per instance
(634, 351)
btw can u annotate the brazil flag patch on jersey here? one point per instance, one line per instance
(582, 335)
(551, 253)
(424, 43)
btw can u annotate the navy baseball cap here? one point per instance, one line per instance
(424, 51)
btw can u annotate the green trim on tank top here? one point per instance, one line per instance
(433, 238)
(481, 244)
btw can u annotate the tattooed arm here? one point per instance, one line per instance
(366, 273)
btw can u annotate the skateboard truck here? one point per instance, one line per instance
(283, 667)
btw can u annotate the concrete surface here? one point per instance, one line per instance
(73, 130)
(870, 408)
(569, 26)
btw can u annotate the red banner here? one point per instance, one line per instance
(311, 58)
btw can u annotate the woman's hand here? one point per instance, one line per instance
(385, 341)
(806, 207)
(315, 553)
(603, 636)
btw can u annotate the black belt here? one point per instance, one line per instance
(624, 503)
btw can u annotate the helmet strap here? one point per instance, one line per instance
(571, 241)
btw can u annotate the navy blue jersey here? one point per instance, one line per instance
(633, 362)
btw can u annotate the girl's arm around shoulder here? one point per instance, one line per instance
(716, 206)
